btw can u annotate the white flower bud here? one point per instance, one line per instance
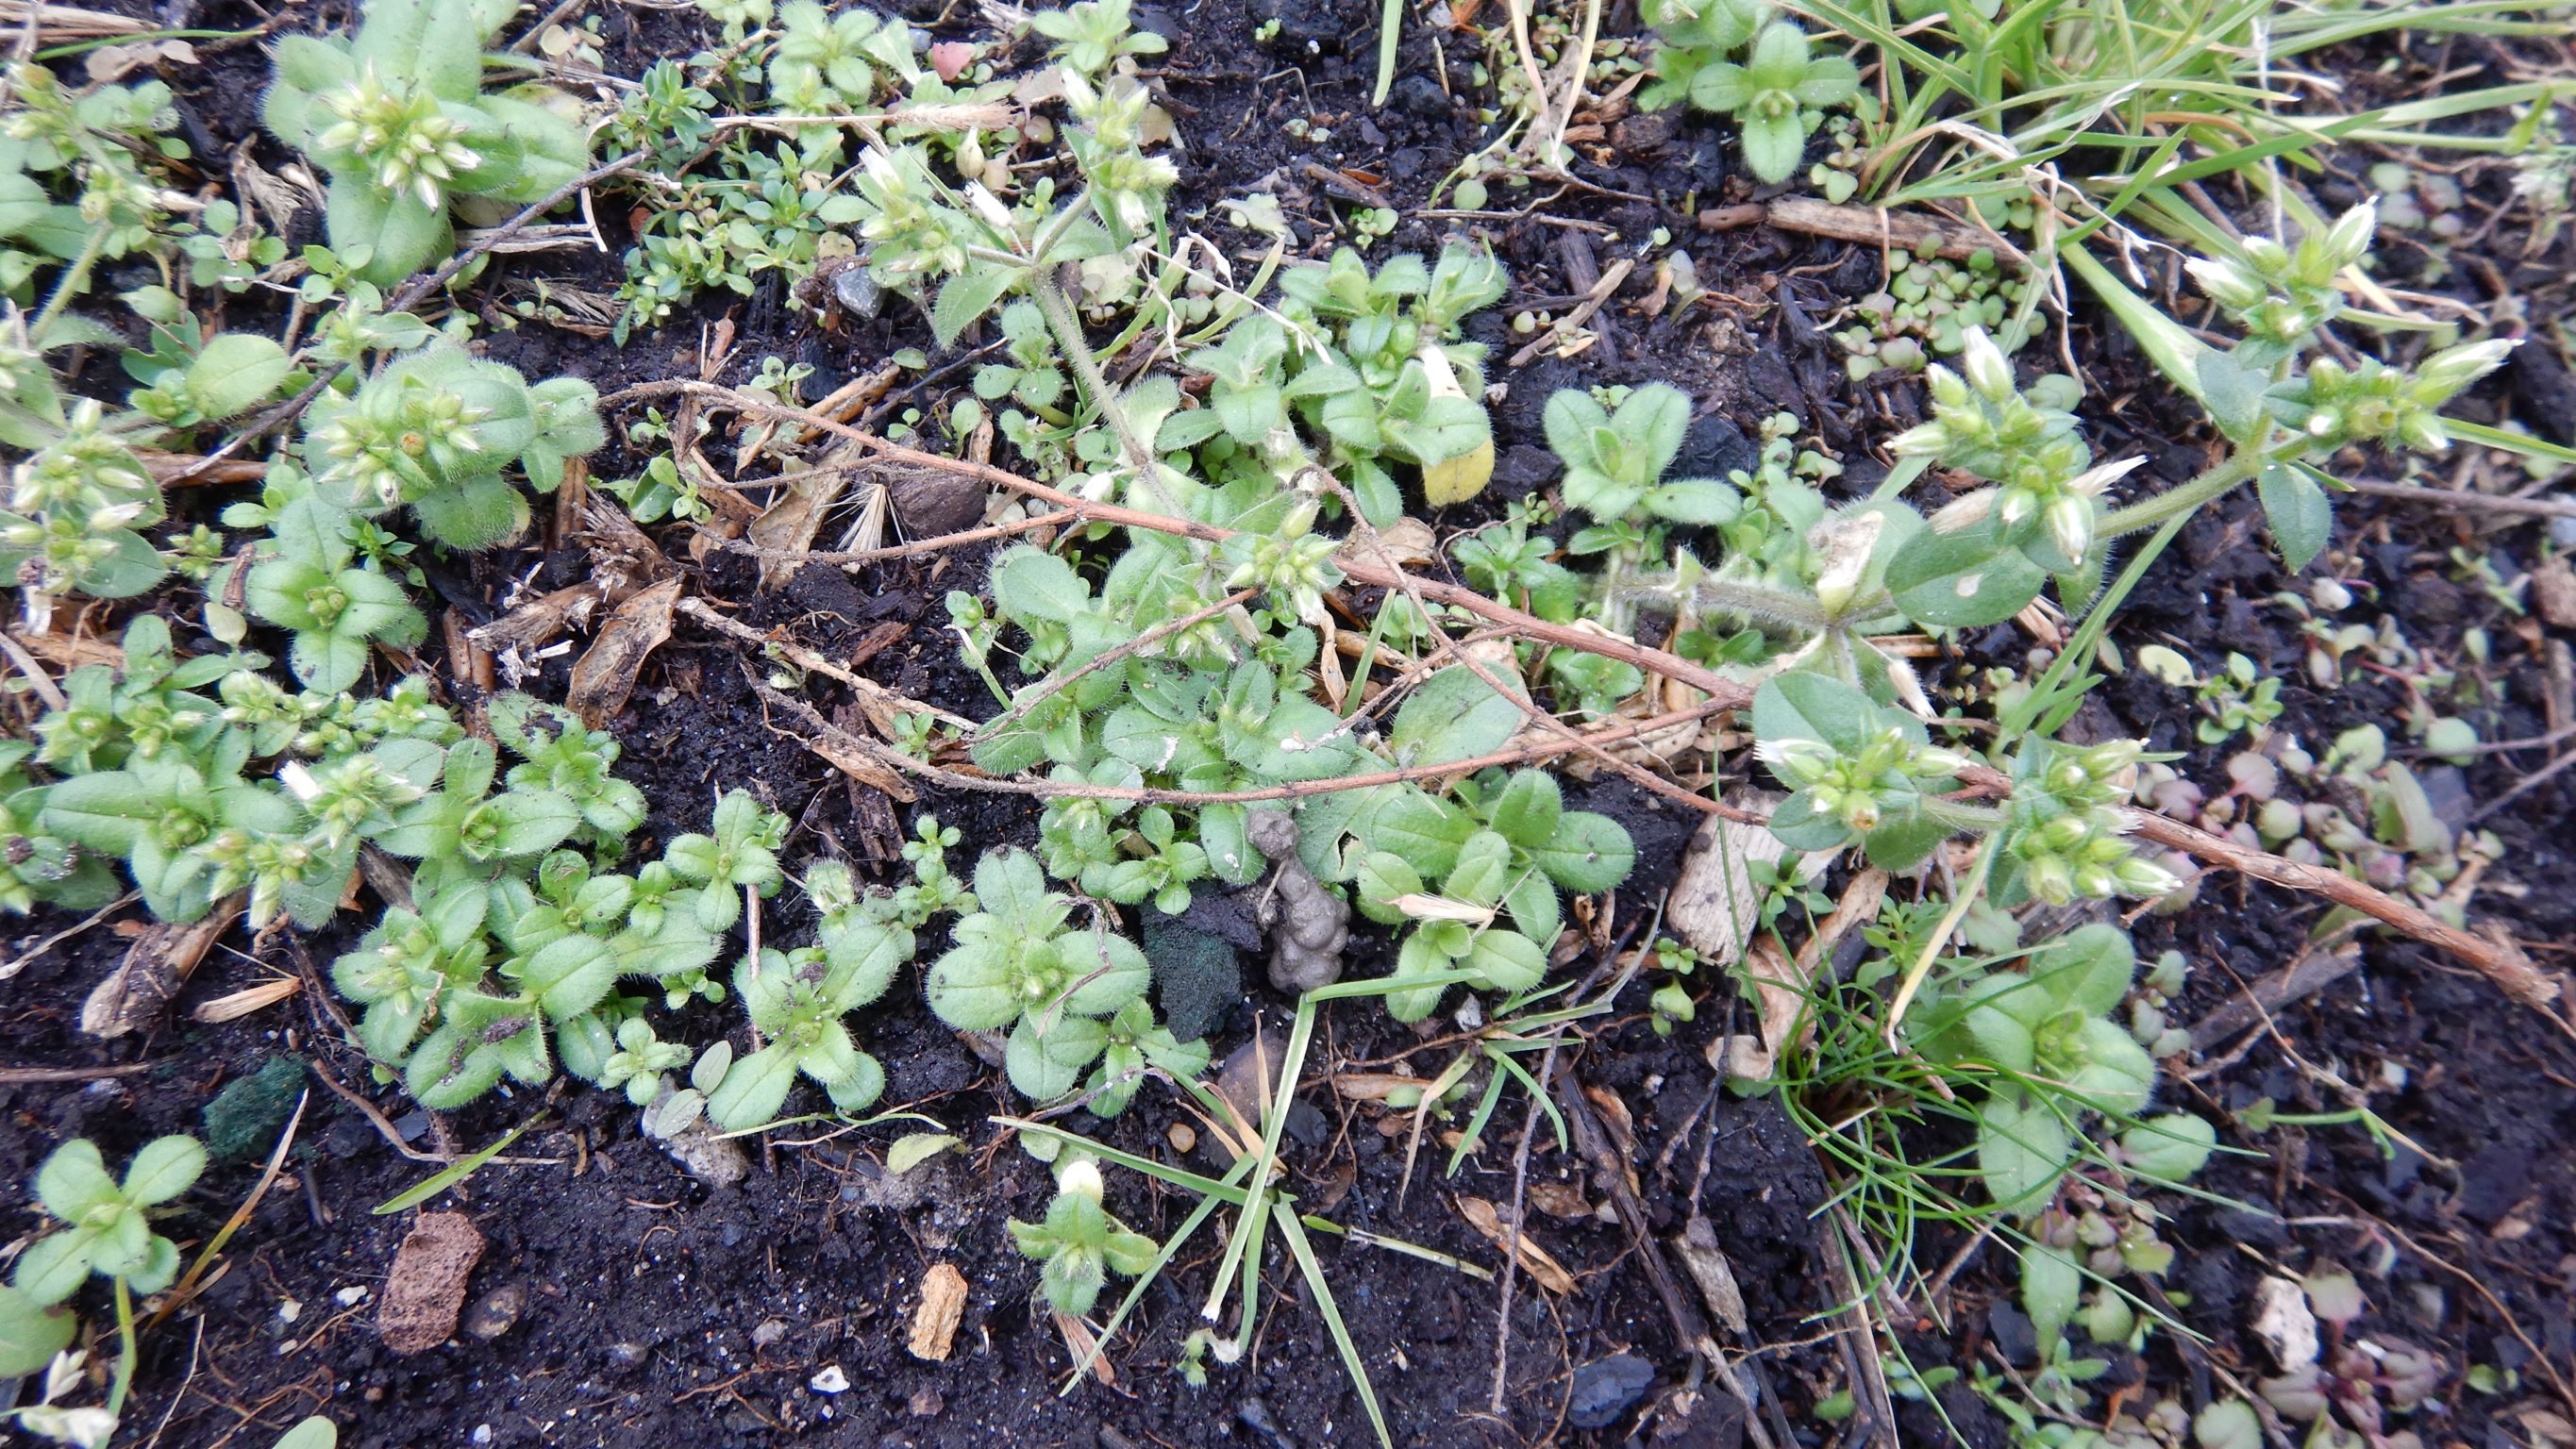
(2093, 480)
(2226, 283)
(1988, 371)
(1964, 512)
(2070, 525)
(2349, 238)
(1082, 1176)
(1798, 761)
(2453, 368)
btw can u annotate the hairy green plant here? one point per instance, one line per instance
(399, 117)
(1079, 1242)
(1019, 963)
(1092, 35)
(1690, 37)
(796, 1000)
(1508, 845)
(437, 429)
(1615, 462)
(1777, 95)
(2046, 1031)
(104, 1228)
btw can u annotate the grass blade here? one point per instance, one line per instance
(454, 1172)
(1304, 1253)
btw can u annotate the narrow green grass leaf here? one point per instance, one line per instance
(1304, 1253)
(454, 1173)
(2510, 442)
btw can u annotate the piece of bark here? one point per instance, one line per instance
(1894, 230)
(134, 996)
(1706, 1263)
(425, 1289)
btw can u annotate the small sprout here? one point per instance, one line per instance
(1079, 1242)
(1775, 96)
(104, 1227)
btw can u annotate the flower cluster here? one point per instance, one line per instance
(1294, 565)
(394, 437)
(2281, 294)
(1863, 787)
(2072, 841)
(1111, 147)
(2371, 401)
(2046, 497)
(398, 133)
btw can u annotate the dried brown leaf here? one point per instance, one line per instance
(248, 1000)
(860, 766)
(1376, 1086)
(1562, 1200)
(111, 63)
(1716, 904)
(1535, 1260)
(788, 525)
(605, 674)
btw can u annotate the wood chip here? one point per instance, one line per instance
(134, 995)
(1535, 1260)
(425, 1289)
(1707, 1265)
(1897, 231)
(2553, 592)
(943, 1303)
(605, 674)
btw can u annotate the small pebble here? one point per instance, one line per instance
(1182, 1137)
(770, 1331)
(288, 1310)
(350, 1297)
(830, 1381)
(1604, 1388)
(1257, 1417)
(927, 1403)
(628, 1355)
(482, 1433)
(498, 1312)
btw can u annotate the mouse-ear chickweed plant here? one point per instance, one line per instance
(2281, 411)
(399, 118)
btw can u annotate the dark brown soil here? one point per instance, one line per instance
(662, 1314)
